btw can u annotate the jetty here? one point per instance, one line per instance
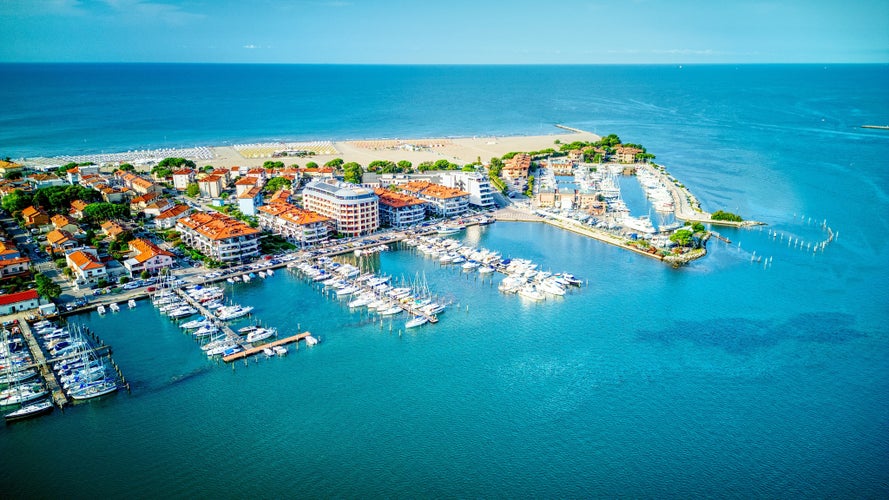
(250, 351)
(229, 333)
(52, 383)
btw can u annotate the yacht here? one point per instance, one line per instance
(261, 334)
(95, 390)
(114, 307)
(29, 411)
(131, 303)
(232, 312)
(101, 309)
(416, 321)
(531, 292)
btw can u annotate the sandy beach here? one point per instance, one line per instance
(458, 150)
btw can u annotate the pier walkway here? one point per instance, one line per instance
(250, 351)
(58, 395)
(229, 333)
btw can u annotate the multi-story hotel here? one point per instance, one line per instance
(219, 236)
(400, 210)
(355, 209)
(302, 227)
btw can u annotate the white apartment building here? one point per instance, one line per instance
(475, 183)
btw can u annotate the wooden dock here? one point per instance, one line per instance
(229, 333)
(58, 395)
(254, 350)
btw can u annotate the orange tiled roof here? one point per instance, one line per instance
(60, 220)
(17, 260)
(293, 213)
(145, 198)
(396, 200)
(30, 211)
(183, 171)
(216, 226)
(112, 228)
(174, 211)
(211, 178)
(145, 250)
(246, 181)
(433, 190)
(79, 205)
(84, 260)
(280, 195)
(250, 193)
(58, 236)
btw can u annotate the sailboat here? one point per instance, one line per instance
(29, 411)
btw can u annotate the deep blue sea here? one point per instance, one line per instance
(726, 378)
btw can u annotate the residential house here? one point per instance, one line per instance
(9, 166)
(626, 154)
(517, 167)
(258, 173)
(245, 184)
(250, 200)
(219, 236)
(60, 240)
(65, 223)
(75, 175)
(38, 181)
(85, 266)
(20, 301)
(399, 209)
(355, 209)
(301, 227)
(17, 267)
(138, 203)
(77, 207)
(281, 196)
(167, 219)
(146, 256)
(112, 229)
(34, 217)
(8, 250)
(182, 178)
(211, 186)
(157, 207)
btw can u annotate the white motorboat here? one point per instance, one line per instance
(531, 292)
(280, 350)
(131, 303)
(261, 334)
(416, 321)
(268, 352)
(114, 307)
(100, 309)
(310, 340)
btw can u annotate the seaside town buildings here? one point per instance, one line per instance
(219, 236)
(301, 227)
(146, 256)
(399, 209)
(355, 209)
(85, 266)
(182, 178)
(441, 201)
(475, 183)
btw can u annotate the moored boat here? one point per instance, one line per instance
(416, 321)
(29, 411)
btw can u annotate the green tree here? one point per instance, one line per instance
(311, 164)
(682, 237)
(161, 172)
(98, 213)
(123, 280)
(46, 287)
(468, 168)
(405, 166)
(144, 275)
(277, 183)
(192, 190)
(441, 164)
(173, 163)
(126, 167)
(727, 216)
(425, 166)
(334, 163)
(16, 201)
(352, 172)
(12, 175)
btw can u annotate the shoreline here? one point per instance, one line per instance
(466, 149)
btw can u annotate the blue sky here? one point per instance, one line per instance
(445, 31)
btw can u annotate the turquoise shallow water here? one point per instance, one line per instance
(723, 378)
